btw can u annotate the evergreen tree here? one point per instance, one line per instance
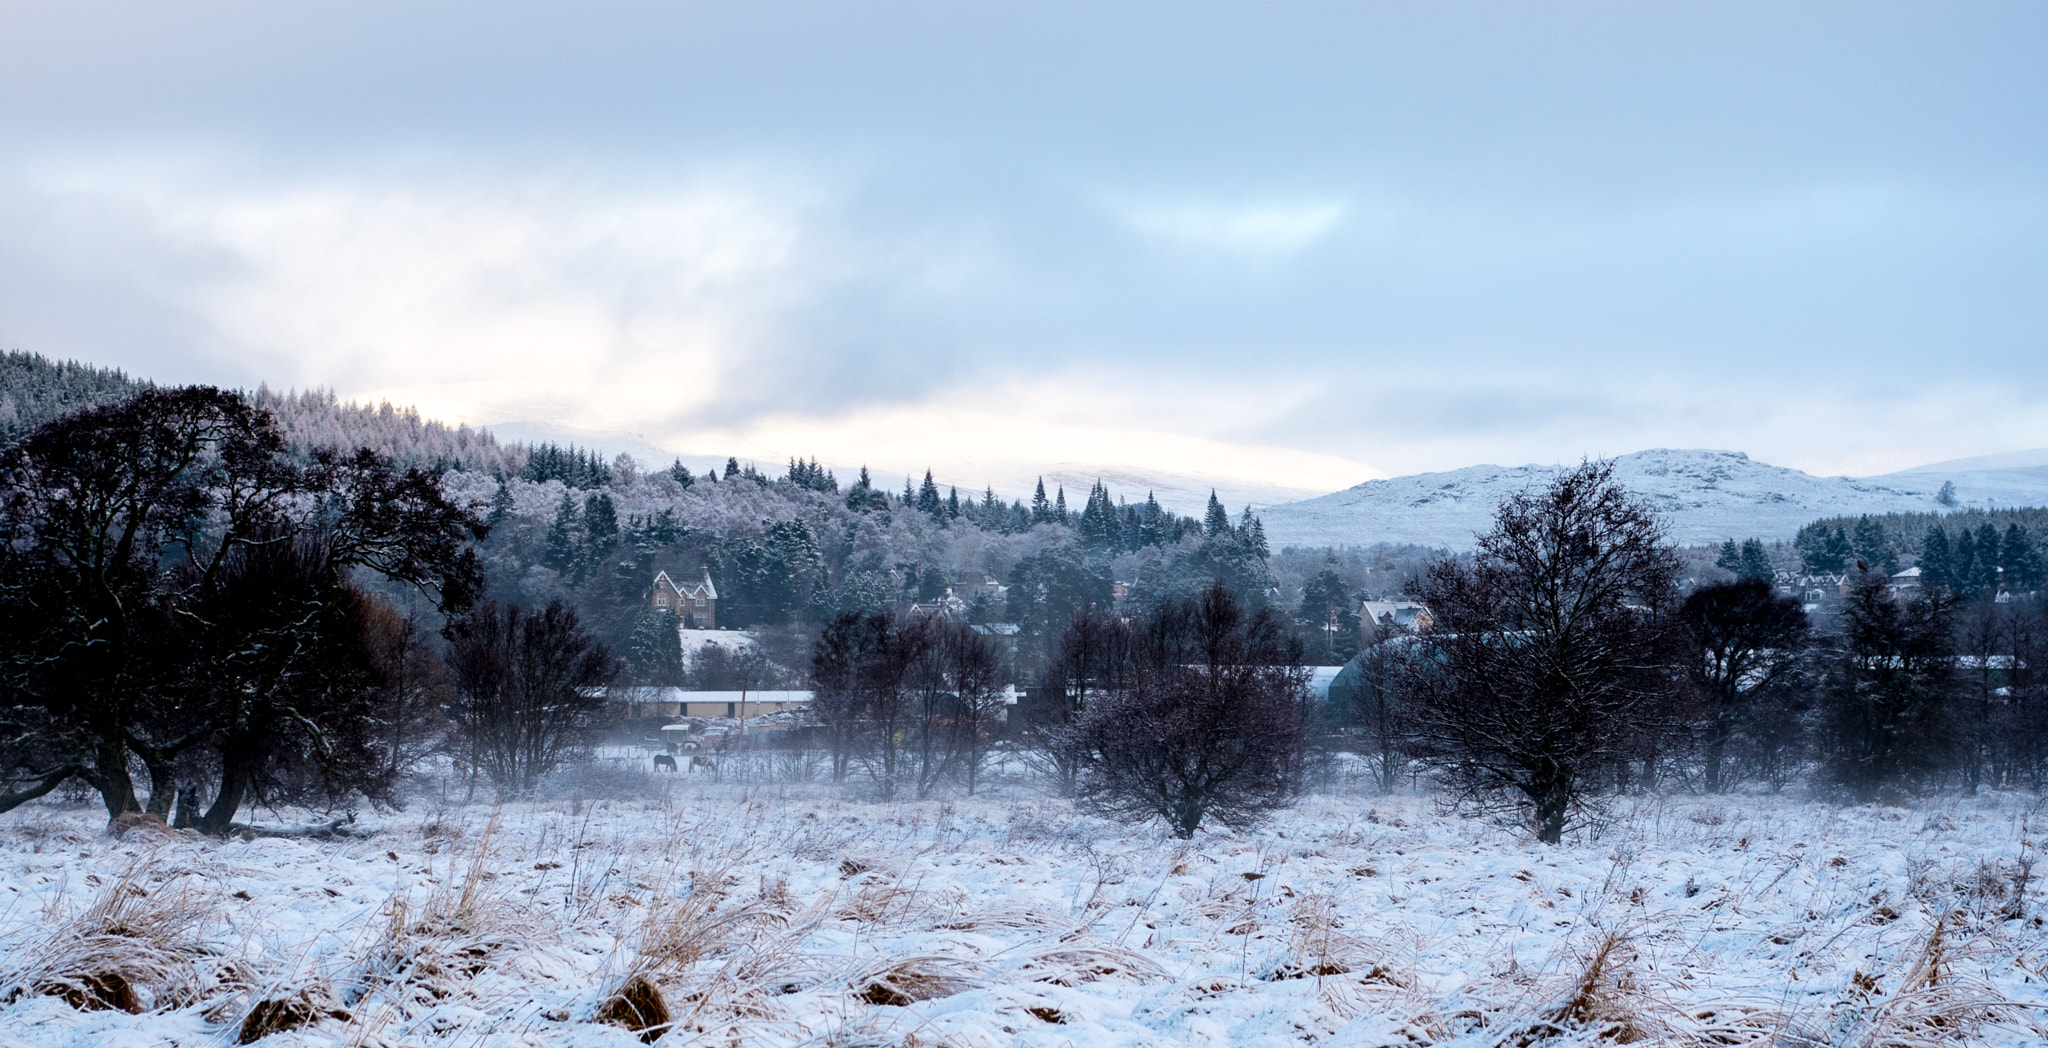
(1823, 550)
(1873, 547)
(655, 650)
(1327, 608)
(1937, 559)
(601, 524)
(862, 496)
(1217, 521)
(1059, 507)
(1253, 534)
(1838, 551)
(1754, 561)
(1730, 559)
(681, 474)
(1041, 507)
(1156, 526)
(732, 466)
(1097, 527)
(1984, 579)
(992, 509)
(952, 503)
(928, 501)
(564, 551)
(1965, 563)
(2021, 557)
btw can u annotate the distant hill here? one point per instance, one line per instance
(1704, 496)
(1989, 482)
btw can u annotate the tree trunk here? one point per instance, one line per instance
(1553, 802)
(234, 785)
(110, 775)
(163, 784)
(1717, 744)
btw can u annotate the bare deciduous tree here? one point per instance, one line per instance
(531, 690)
(1551, 662)
(1205, 720)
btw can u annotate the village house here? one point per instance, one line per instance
(695, 606)
(1378, 618)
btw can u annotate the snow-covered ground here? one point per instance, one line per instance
(774, 914)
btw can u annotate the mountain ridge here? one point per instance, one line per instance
(1703, 495)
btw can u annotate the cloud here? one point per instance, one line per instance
(1259, 227)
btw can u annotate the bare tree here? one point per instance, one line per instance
(1551, 662)
(839, 681)
(1373, 706)
(1094, 660)
(1208, 726)
(1745, 650)
(531, 686)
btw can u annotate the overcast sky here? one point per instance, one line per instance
(1313, 243)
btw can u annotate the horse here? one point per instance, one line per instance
(704, 763)
(663, 760)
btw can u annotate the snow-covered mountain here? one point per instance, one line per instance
(2016, 478)
(1704, 496)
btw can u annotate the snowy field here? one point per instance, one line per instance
(783, 915)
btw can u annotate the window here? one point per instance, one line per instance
(661, 601)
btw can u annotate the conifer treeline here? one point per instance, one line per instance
(1973, 551)
(35, 390)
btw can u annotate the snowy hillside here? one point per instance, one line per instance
(2018, 478)
(1705, 496)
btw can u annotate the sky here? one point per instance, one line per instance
(1297, 245)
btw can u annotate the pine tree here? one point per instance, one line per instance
(952, 503)
(1985, 579)
(1964, 567)
(681, 474)
(1097, 527)
(1730, 559)
(1937, 559)
(928, 501)
(600, 523)
(1838, 550)
(655, 651)
(1873, 547)
(732, 467)
(563, 550)
(1059, 507)
(1754, 561)
(1041, 507)
(2021, 557)
(1217, 521)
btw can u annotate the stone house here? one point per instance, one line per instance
(695, 605)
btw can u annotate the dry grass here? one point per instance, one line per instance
(134, 948)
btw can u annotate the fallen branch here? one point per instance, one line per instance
(320, 831)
